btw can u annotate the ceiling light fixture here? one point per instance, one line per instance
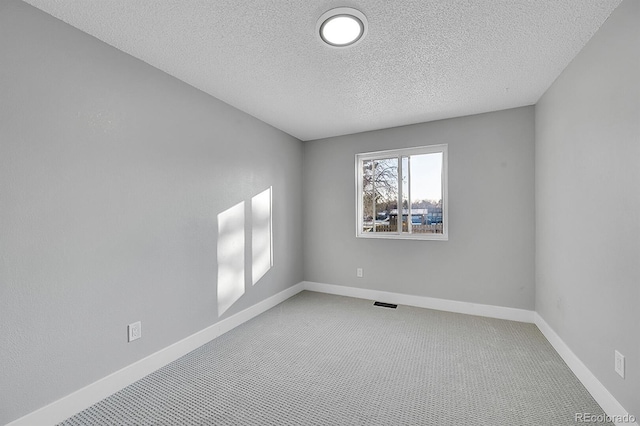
(342, 27)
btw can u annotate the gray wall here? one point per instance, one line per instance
(588, 204)
(112, 174)
(489, 257)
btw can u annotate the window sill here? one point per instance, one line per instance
(391, 236)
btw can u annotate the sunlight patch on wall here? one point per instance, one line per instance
(261, 235)
(230, 256)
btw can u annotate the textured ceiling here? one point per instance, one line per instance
(421, 60)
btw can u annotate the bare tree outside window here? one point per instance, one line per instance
(380, 193)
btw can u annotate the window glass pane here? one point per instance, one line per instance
(426, 193)
(368, 198)
(385, 194)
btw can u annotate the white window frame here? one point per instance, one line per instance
(399, 153)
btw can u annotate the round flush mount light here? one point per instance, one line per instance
(342, 27)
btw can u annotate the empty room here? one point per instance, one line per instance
(219, 212)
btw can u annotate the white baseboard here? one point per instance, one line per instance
(609, 404)
(77, 401)
(89, 395)
(469, 308)
(602, 396)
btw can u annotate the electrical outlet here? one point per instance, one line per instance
(359, 272)
(619, 367)
(135, 331)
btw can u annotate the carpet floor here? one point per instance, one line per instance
(319, 359)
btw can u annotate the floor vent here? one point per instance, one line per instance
(385, 305)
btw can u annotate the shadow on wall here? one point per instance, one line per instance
(231, 248)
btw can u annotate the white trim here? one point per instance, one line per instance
(609, 404)
(395, 153)
(603, 397)
(77, 401)
(404, 236)
(469, 308)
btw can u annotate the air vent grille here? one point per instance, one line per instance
(385, 305)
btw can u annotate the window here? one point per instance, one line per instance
(414, 179)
